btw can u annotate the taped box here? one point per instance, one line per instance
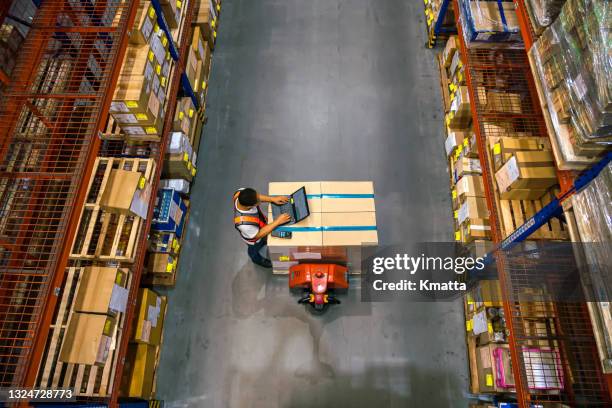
(149, 318)
(88, 339)
(102, 290)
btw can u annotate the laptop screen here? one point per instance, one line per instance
(300, 204)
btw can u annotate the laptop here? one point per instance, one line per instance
(296, 207)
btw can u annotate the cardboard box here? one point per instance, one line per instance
(486, 17)
(349, 229)
(476, 229)
(470, 185)
(460, 105)
(102, 290)
(465, 166)
(488, 376)
(205, 19)
(449, 51)
(149, 318)
(503, 147)
(169, 212)
(347, 196)
(313, 237)
(178, 166)
(162, 262)
(139, 371)
(184, 116)
(126, 192)
(143, 24)
(515, 175)
(473, 208)
(164, 243)
(503, 102)
(453, 140)
(88, 339)
(180, 185)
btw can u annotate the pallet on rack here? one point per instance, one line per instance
(514, 213)
(443, 83)
(102, 235)
(85, 380)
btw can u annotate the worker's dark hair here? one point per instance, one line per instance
(247, 197)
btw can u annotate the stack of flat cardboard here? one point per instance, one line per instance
(342, 220)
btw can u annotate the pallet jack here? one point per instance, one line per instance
(318, 284)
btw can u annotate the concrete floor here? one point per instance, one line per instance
(314, 90)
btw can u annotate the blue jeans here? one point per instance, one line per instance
(254, 251)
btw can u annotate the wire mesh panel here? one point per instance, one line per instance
(50, 113)
(552, 332)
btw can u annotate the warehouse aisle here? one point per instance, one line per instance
(314, 90)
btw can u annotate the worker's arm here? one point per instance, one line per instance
(263, 232)
(278, 200)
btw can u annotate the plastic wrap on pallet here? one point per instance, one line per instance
(593, 212)
(544, 12)
(485, 23)
(572, 60)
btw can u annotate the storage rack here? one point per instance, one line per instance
(62, 86)
(569, 329)
(435, 23)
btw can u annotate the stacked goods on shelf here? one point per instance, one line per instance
(467, 191)
(142, 359)
(118, 196)
(592, 209)
(542, 13)
(206, 19)
(573, 72)
(10, 40)
(169, 219)
(342, 220)
(82, 349)
(433, 10)
(139, 102)
(489, 23)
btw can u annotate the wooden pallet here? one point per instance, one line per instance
(85, 380)
(102, 235)
(443, 84)
(514, 213)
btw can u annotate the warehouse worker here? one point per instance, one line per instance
(252, 224)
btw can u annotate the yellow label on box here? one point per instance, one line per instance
(142, 183)
(169, 267)
(193, 171)
(107, 327)
(151, 56)
(489, 327)
(191, 113)
(164, 40)
(151, 12)
(215, 34)
(497, 148)
(203, 85)
(466, 142)
(163, 81)
(179, 4)
(131, 104)
(185, 157)
(456, 214)
(167, 55)
(283, 258)
(156, 28)
(454, 193)
(468, 229)
(175, 243)
(489, 380)
(150, 130)
(158, 69)
(181, 115)
(468, 325)
(213, 23)
(457, 235)
(218, 7)
(118, 278)
(142, 116)
(188, 165)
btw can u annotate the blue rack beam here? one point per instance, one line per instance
(438, 28)
(161, 22)
(188, 90)
(552, 209)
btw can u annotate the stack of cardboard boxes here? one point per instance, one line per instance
(10, 41)
(100, 298)
(342, 220)
(143, 351)
(489, 23)
(138, 105)
(524, 167)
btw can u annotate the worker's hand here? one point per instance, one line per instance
(282, 219)
(280, 200)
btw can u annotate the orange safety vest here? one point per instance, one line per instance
(241, 219)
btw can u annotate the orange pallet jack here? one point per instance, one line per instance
(319, 283)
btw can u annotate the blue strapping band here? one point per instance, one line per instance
(502, 14)
(330, 228)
